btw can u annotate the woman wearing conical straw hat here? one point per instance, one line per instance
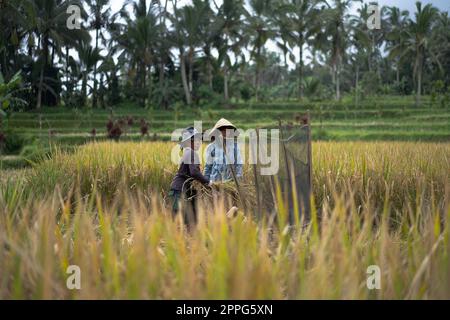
(223, 154)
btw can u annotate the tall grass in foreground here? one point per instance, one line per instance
(131, 248)
(100, 208)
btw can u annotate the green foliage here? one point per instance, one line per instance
(36, 152)
(246, 92)
(207, 97)
(321, 134)
(375, 118)
(12, 142)
(8, 92)
(370, 83)
(73, 100)
(438, 94)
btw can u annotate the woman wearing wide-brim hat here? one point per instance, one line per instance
(223, 154)
(188, 171)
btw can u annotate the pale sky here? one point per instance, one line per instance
(410, 5)
(402, 4)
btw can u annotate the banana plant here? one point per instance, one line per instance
(8, 90)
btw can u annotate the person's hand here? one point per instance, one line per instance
(213, 185)
(209, 185)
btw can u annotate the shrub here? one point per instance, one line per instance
(35, 152)
(370, 83)
(246, 92)
(11, 142)
(206, 97)
(437, 93)
(114, 129)
(73, 100)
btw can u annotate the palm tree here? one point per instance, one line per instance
(193, 18)
(284, 36)
(178, 38)
(89, 57)
(416, 40)
(397, 22)
(440, 42)
(260, 29)
(14, 31)
(361, 41)
(165, 54)
(230, 40)
(303, 15)
(337, 29)
(138, 39)
(99, 21)
(209, 31)
(369, 40)
(49, 24)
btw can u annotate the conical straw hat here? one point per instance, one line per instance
(220, 124)
(223, 123)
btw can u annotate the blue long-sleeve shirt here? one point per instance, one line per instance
(217, 167)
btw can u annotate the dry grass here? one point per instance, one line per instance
(379, 203)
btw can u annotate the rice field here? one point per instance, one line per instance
(102, 208)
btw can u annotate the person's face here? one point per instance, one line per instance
(226, 133)
(196, 143)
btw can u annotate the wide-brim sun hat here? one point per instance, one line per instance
(188, 134)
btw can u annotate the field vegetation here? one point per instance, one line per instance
(87, 112)
(102, 208)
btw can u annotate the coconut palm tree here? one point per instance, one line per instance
(13, 31)
(89, 57)
(49, 23)
(362, 43)
(138, 39)
(369, 40)
(416, 41)
(164, 53)
(260, 29)
(209, 31)
(440, 42)
(337, 29)
(230, 39)
(283, 25)
(178, 38)
(100, 12)
(397, 21)
(303, 15)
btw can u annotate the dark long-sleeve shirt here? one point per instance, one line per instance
(189, 168)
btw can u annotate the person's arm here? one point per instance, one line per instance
(191, 158)
(194, 172)
(209, 163)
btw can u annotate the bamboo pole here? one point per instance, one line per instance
(288, 171)
(308, 119)
(233, 174)
(255, 173)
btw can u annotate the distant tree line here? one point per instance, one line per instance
(159, 53)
